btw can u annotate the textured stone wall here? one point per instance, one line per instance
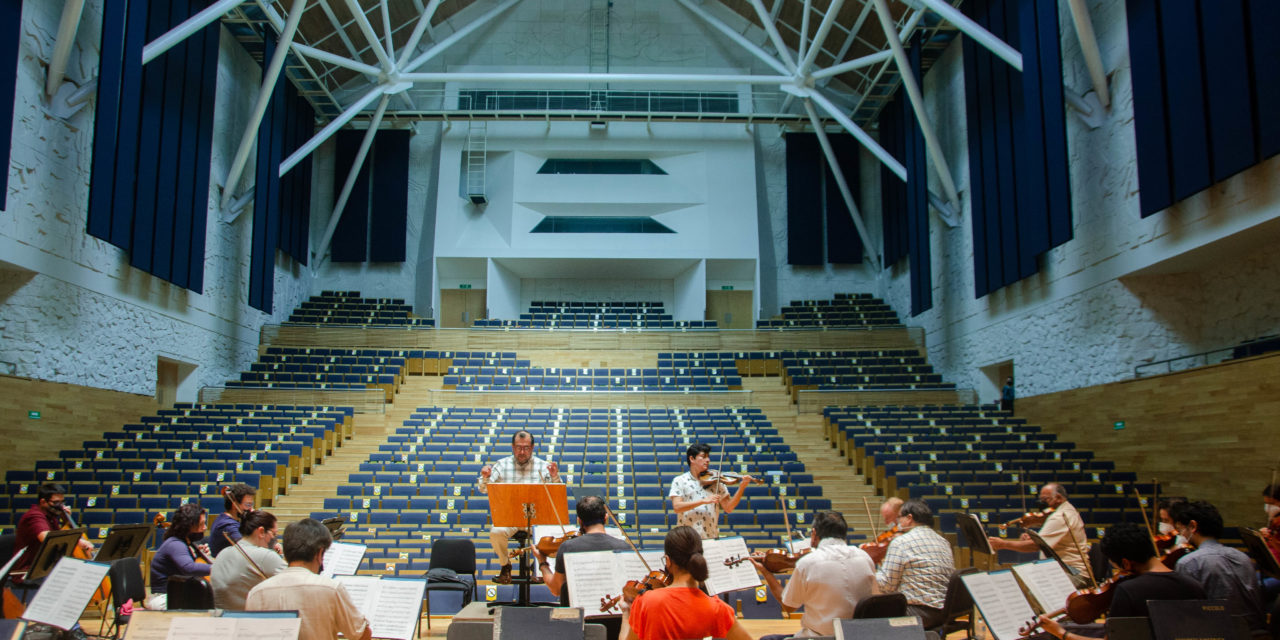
(1125, 290)
(71, 308)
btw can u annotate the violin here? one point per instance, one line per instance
(635, 588)
(774, 560)
(1172, 556)
(722, 477)
(1028, 519)
(880, 546)
(1165, 541)
(548, 546)
(1083, 606)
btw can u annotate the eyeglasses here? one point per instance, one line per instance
(56, 503)
(522, 447)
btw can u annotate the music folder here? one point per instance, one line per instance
(547, 504)
(974, 533)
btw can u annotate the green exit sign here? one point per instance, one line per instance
(1119, 424)
(464, 286)
(726, 287)
(33, 415)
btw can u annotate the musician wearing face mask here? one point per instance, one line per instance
(1063, 531)
(47, 514)
(1225, 573)
(250, 561)
(1166, 526)
(237, 500)
(179, 552)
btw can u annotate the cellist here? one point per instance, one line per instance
(1128, 546)
(49, 513)
(179, 554)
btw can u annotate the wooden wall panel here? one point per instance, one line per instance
(1207, 433)
(69, 415)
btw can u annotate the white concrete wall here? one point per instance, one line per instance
(503, 295)
(71, 308)
(691, 293)
(1125, 290)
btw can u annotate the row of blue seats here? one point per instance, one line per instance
(594, 324)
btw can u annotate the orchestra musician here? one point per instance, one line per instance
(1225, 573)
(180, 553)
(918, 564)
(1271, 505)
(247, 562)
(889, 510)
(519, 467)
(682, 610)
(1165, 513)
(828, 581)
(1128, 546)
(699, 504)
(323, 605)
(49, 513)
(591, 522)
(1063, 530)
(237, 500)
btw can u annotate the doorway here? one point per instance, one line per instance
(730, 309)
(989, 384)
(174, 382)
(461, 307)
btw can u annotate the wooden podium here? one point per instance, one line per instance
(522, 506)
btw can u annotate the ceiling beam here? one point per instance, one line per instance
(742, 40)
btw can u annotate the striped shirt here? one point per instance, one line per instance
(506, 470)
(919, 565)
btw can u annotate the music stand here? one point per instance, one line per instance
(522, 506)
(975, 536)
(1260, 552)
(1050, 553)
(334, 525)
(124, 541)
(56, 546)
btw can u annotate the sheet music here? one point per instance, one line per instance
(154, 625)
(1047, 582)
(722, 579)
(65, 592)
(342, 559)
(254, 628)
(391, 605)
(796, 546)
(630, 566)
(592, 575)
(202, 628)
(4, 571)
(1000, 600)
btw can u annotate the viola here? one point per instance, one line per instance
(1165, 541)
(1028, 519)
(710, 477)
(548, 546)
(878, 548)
(774, 560)
(1172, 556)
(1083, 606)
(635, 588)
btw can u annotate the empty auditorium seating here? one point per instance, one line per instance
(348, 308)
(847, 310)
(324, 368)
(596, 315)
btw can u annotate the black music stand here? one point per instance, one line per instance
(1050, 553)
(335, 527)
(522, 506)
(975, 536)
(56, 546)
(124, 541)
(1260, 552)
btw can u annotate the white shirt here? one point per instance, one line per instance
(828, 583)
(232, 576)
(705, 518)
(508, 470)
(321, 603)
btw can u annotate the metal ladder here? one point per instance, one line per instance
(598, 57)
(477, 148)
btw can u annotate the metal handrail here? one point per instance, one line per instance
(1191, 361)
(365, 400)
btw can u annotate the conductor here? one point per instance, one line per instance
(521, 467)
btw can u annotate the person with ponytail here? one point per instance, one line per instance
(682, 610)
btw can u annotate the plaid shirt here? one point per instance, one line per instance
(506, 470)
(919, 565)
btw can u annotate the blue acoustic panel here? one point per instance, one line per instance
(844, 246)
(1185, 96)
(10, 32)
(804, 199)
(210, 37)
(107, 117)
(389, 210)
(150, 139)
(1264, 51)
(893, 191)
(1226, 59)
(1150, 115)
(917, 200)
(352, 234)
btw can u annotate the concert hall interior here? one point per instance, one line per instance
(988, 259)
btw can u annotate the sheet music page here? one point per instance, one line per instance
(65, 592)
(4, 571)
(722, 579)
(592, 575)
(396, 606)
(342, 559)
(1000, 600)
(796, 546)
(268, 628)
(362, 589)
(202, 628)
(630, 566)
(1047, 582)
(154, 625)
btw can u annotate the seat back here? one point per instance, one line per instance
(959, 601)
(887, 605)
(453, 553)
(126, 582)
(189, 592)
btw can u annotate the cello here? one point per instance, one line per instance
(104, 589)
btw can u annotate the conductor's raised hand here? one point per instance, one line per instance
(553, 469)
(486, 471)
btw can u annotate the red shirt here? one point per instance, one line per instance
(678, 613)
(33, 523)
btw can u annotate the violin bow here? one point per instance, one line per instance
(1147, 521)
(786, 519)
(1022, 488)
(719, 485)
(1088, 566)
(609, 512)
(256, 569)
(554, 510)
(1155, 503)
(875, 530)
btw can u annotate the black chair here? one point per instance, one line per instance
(126, 584)
(1099, 563)
(7, 543)
(458, 555)
(886, 605)
(189, 592)
(958, 604)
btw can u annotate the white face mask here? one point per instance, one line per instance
(1272, 510)
(1165, 528)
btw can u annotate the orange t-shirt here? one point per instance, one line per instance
(679, 613)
